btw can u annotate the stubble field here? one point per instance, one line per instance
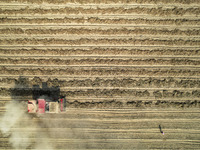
(126, 67)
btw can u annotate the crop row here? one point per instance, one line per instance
(113, 71)
(102, 82)
(97, 61)
(112, 31)
(134, 103)
(96, 20)
(89, 41)
(119, 10)
(99, 51)
(108, 93)
(106, 1)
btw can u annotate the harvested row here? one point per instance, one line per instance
(151, 82)
(99, 31)
(106, 1)
(124, 114)
(106, 41)
(97, 20)
(160, 11)
(100, 51)
(98, 71)
(97, 61)
(95, 132)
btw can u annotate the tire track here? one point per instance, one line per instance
(21, 66)
(134, 57)
(169, 27)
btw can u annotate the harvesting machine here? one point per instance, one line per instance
(46, 100)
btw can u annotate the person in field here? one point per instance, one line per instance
(161, 130)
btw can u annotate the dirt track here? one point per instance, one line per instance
(125, 67)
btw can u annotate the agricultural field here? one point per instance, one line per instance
(126, 67)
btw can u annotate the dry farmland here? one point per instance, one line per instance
(125, 66)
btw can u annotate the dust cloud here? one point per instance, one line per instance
(25, 130)
(18, 126)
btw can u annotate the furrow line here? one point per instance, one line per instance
(106, 46)
(64, 57)
(102, 66)
(97, 36)
(68, 77)
(111, 88)
(102, 25)
(106, 15)
(93, 99)
(103, 5)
